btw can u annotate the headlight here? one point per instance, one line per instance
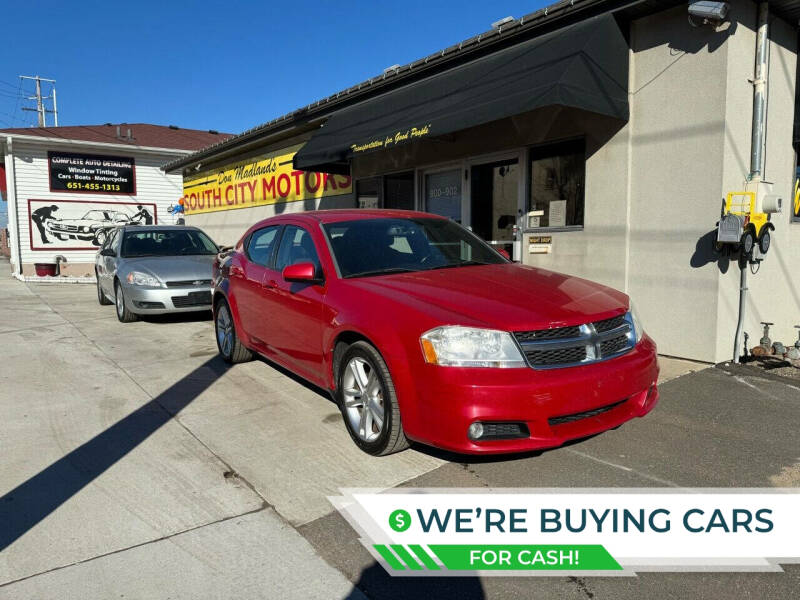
(455, 346)
(84, 229)
(633, 318)
(138, 278)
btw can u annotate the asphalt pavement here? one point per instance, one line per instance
(136, 464)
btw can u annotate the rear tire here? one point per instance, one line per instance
(123, 314)
(101, 295)
(364, 389)
(228, 344)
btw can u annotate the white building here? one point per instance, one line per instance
(67, 185)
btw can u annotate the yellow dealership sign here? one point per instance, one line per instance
(266, 179)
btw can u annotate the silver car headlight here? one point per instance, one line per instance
(456, 346)
(632, 317)
(143, 279)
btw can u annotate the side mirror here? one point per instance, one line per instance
(504, 253)
(108, 252)
(301, 273)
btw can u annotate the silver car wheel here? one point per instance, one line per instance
(120, 302)
(224, 330)
(363, 399)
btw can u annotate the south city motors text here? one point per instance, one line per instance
(279, 188)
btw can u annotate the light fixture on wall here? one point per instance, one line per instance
(707, 13)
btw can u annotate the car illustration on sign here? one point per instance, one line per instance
(423, 332)
(92, 227)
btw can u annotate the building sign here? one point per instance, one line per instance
(266, 179)
(393, 139)
(91, 173)
(80, 224)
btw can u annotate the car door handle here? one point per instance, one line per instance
(236, 272)
(270, 284)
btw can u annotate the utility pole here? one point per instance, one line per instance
(40, 109)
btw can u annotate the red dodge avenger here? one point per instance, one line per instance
(423, 332)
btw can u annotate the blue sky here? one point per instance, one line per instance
(218, 65)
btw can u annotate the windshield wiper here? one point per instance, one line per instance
(466, 263)
(381, 272)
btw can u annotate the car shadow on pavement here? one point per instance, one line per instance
(33, 500)
(376, 583)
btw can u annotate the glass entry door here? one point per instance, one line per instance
(494, 202)
(443, 193)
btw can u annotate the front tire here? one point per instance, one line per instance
(123, 314)
(368, 401)
(748, 241)
(228, 344)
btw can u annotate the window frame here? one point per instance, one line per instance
(279, 243)
(529, 156)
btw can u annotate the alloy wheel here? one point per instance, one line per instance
(120, 302)
(224, 330)
(363, 399)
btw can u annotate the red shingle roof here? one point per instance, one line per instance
(144, 134)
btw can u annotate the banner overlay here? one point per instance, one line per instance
(594, 531)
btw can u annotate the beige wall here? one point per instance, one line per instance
(774, 292)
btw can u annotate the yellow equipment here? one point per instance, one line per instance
(741, 224)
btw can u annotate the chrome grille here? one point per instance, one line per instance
(189, 283)
(576, 345)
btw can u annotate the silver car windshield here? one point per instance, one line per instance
(166, 243)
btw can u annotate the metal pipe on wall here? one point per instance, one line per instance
(757, 143)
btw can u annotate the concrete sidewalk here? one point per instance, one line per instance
(103, 492)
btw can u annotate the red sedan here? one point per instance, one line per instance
(421, 331)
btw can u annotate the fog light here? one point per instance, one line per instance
(475, 431)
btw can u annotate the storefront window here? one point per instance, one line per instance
(368, 193)
(558, 175)
(395, 190)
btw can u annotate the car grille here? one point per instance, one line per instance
(189, 283)
(61, 227)
(578, 344)
(192, 299)
(584, 415)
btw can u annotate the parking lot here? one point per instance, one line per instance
(137, 464)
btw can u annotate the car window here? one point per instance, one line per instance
(111, 239)
(296, 247)
(261, 244)
(169, 242)
(369, 247)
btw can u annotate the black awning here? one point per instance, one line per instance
(583, 66)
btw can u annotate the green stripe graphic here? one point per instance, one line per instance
(389, 557)
(407, 558)
(423, 555)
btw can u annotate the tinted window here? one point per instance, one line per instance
(170, 242)
(376, 246)
(296, 247)
(261, 245)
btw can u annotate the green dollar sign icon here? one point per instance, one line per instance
(400, 520)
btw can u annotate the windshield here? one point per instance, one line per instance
(97, 215)
(379, 246)
(166, 243)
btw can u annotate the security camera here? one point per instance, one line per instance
(708, 12)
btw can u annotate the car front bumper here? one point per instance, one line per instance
(154, 301)
(555, 405)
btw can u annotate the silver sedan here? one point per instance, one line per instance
(154, 270)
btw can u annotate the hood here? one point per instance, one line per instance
(505, 296)
(84, 222)
(172, 268)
